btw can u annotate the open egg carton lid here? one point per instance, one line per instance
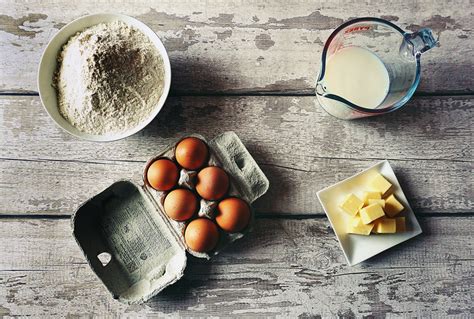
(131, 244)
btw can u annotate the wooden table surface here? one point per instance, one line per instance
(250, 67)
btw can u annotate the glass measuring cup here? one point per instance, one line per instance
(399, 51)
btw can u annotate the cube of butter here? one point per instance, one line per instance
(370, 213)
(401, 224)
(356, 226)
(371, 195)
(352, 204)
(392, 206)
(386, 226)
(380, 202)
(379, 183)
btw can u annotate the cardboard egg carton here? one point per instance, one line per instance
(130, 242)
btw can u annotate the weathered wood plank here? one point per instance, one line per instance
(287, 131)
(285, 268)
(215, 46)
(300, 148)
(58, 187)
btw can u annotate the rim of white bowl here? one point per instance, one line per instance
(73, 29)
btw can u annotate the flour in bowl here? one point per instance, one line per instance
(110, 78)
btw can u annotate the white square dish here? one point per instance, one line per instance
(358, 248)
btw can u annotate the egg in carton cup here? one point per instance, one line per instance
(131, 243)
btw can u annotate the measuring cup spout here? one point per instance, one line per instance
(320, 88)
(416, 43)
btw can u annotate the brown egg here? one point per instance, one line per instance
(212, 183)
(162, 174)
(233, 214)
(201, 235)
(180, 204)
(191, 153)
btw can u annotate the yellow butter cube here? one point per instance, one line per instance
(380, 202)
(352, 204)
(356, 226)
(401, 224)
(386, 226)
(392, 206)
(371, 195)
(379, 183)
(370, 213)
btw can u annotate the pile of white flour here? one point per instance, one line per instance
(109, 79)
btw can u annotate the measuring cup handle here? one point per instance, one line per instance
(418, 42)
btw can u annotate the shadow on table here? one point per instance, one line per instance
(190, 77)
(185, 115)
(404, 180)
(176, 119)
(279, 184)
(423, 117)
(198, 76)
(202, 278)
(394, 257)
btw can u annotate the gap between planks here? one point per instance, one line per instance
(365, 159)
(261, 93)
(257, 216)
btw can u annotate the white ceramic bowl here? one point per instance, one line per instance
(48, 66)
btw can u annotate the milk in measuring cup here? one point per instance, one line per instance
(357, 75)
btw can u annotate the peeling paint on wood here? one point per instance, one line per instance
(182, 42)
(22, 27)
(437, 23)
(313, 21)
(224, 34)
(427, 128)
(313, 150)
(58, 187)
(212, 45)
(288, 267)
(264, 41)
(285, 268)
